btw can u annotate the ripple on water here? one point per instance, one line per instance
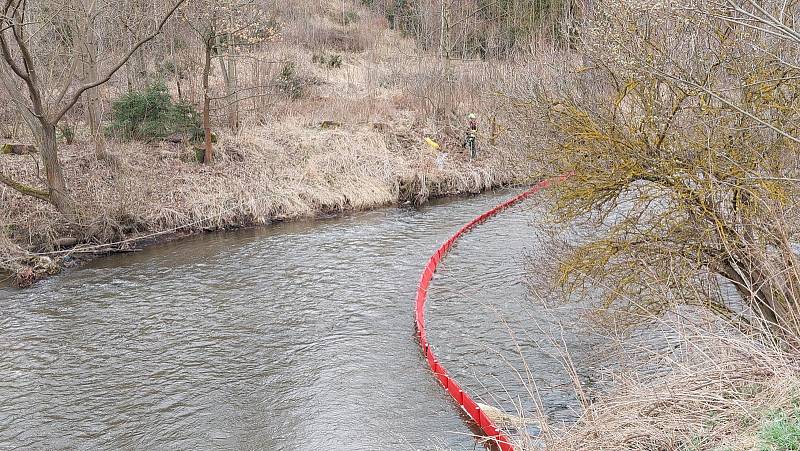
(297, 336)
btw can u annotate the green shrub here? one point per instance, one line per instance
(329, 61)
(151, 115)
(290, 83)
(335, 61)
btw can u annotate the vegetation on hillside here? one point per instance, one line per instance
(275, 98)
(151, 114)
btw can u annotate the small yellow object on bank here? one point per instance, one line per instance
(432, 143)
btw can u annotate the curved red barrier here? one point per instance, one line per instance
(453, 388)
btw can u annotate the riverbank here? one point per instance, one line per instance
(348, 136)
(262, 175)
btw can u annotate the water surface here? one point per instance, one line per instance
(296, 336)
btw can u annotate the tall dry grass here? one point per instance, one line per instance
(686, 379)
(353, 140)
(714, 390)
(287, 170)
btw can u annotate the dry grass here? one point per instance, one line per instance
(284, 171)
(281, 164)
(683, 380)
(716, 394)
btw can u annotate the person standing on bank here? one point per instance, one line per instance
(472, 132)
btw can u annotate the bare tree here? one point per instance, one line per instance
(85, 33)
(33, 43)
(221, 26)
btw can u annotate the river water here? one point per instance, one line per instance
(296, 336)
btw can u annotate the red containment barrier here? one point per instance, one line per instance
(461, 397)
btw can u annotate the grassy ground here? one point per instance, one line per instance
(353, 139)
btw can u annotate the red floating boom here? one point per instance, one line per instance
(461, 397)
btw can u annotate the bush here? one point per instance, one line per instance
(335, 61)
(151, 115)
(290, 83)
(329, 61)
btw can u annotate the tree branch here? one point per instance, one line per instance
(726, 102)
(118, 66)
(4, 45)
(25, 189)
(29, 74)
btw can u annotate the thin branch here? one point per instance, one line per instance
(728, 103)
(76, 96)
(4, 45)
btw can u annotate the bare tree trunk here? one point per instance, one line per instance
(756, 292)
(95, 123)
(141, 69)
(231, 82)
(93, 99)
(86, 42)
(442, 29)
(233, 91)
(57, 187)
(209, 150)
(231, 96)
(175, 65)
(129, 76)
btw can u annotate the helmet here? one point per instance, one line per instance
(472, 116)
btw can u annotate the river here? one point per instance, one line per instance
(295, 336)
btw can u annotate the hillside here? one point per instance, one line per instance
(344, 136)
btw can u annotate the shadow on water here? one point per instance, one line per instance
(296, 336)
